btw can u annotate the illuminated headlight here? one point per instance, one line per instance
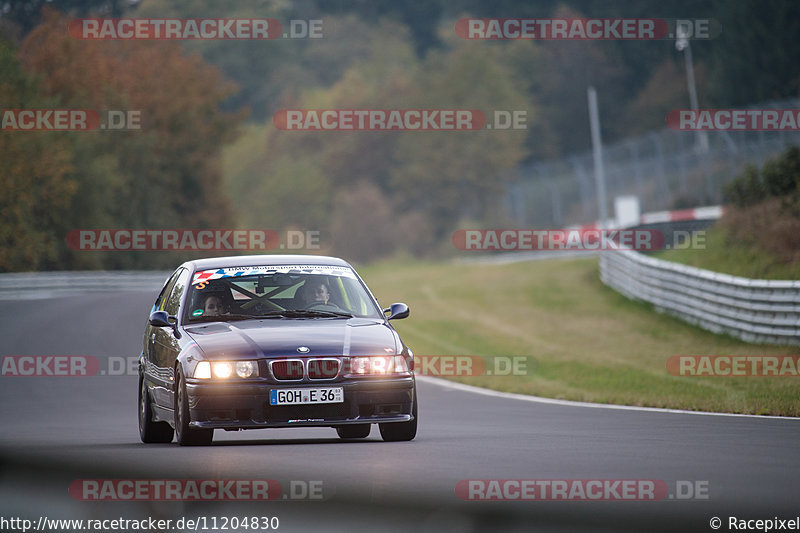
(203, 370)
(378, 365)
(222, 369)
(246, 369)
(226, 369)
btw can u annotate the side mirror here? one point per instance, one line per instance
(396, 311)
(161, 319)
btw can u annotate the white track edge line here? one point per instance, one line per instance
(570, 403)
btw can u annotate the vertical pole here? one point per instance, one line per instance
(597, 152)
(685, 45)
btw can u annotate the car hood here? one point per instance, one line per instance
(282, 337)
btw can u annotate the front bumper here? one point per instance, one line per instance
(245, 405)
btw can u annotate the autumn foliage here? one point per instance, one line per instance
(166, 174)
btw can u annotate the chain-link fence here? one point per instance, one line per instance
(665, 169)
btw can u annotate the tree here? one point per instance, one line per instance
(18, 17)
(167, 174)
(35, 170)
(447, 175)
(755, 57)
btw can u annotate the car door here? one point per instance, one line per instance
(150, 331)
(166, 345)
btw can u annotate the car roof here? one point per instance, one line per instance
(260, 260)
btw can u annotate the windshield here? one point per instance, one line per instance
(292, 291)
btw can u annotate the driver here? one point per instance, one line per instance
(212, 305)
(319, 296)
(319, 293)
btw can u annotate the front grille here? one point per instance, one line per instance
(323, 368)
(287, 369)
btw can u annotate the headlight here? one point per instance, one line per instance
(246, 369)
(223, 369)
(226, 369)
(203, 370)
(378, 365)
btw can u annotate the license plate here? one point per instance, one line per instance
(306, 396)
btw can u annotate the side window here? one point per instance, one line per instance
(162, 296)
(173, 301)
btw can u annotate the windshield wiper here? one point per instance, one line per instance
(306, 313)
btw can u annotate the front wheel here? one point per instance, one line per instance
(401, 431)
(150, 432)
(185, 435)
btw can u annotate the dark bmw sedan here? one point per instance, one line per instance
(271, 341)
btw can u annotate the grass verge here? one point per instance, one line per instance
(724, 254)
(584, 341)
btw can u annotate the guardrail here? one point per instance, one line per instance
(753, 310)
(36, 285)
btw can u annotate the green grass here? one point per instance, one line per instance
(722, 254)
(584, 341)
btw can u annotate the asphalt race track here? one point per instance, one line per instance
(58, 429)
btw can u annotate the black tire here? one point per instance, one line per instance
(355, 431)
(151, 432)
(401, 431)
(185, 435)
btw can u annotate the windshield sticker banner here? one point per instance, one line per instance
(208, 275)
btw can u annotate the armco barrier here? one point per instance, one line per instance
(35, 285)
(753, 310)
